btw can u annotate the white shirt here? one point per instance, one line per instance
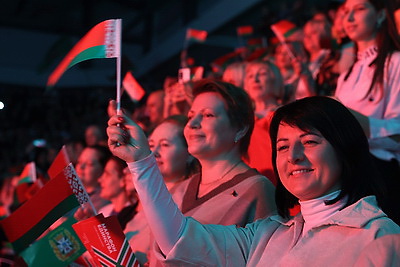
(384, 113)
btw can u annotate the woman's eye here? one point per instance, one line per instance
(208, 115)
(281, 148)
(310, 142)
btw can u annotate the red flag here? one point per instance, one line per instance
(283, 29)
(34, 188)
(30, 220)
(244, 30)
(105, 241)
(102, 41)
(196, 35)
(59, 163)
(132, 87)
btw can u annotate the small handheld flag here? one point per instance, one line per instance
(283, 29)
(28, 174)
(102, 41)
(59, 163)
(132, 87)
(196, 35)
(244, 30)
(30, 220)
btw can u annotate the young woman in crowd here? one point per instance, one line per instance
(320, 154)
(371, 87)
(176, 165)
(113, 188)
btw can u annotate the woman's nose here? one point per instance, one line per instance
(350, 16)
(194, 122)
(156, 150)
(296, 154)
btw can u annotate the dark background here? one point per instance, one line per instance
(36, 34)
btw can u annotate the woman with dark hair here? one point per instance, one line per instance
(340, 129)
(371, 87)
(321, 159)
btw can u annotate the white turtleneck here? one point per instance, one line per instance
(315, 211)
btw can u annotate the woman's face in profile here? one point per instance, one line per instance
(209, 132)
(307, 164)
(112, 184)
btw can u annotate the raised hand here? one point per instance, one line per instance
(126, 139)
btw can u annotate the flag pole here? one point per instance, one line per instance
(119, 22)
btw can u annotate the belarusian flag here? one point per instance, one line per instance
(283, 29)
(132, 87)
(59, 163)
(196, 35)
(102, 41)
(244, 30)
(28, 174)
(60, 247)
(105, 241)
(30, 220)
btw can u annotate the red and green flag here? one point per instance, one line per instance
(59, 247)
(28, 174)
(245, 30)
(283, 29)
(25, 180)
(196, 35)
(132, 87)
(105, 241)
(36, 215)
(102, 41)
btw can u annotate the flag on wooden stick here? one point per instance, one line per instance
(102, 41)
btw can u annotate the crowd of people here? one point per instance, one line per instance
(289, 159)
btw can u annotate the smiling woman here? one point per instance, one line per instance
(320, 155)
(307, 164)
(319, 148)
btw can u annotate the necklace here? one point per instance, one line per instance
(225, 174)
